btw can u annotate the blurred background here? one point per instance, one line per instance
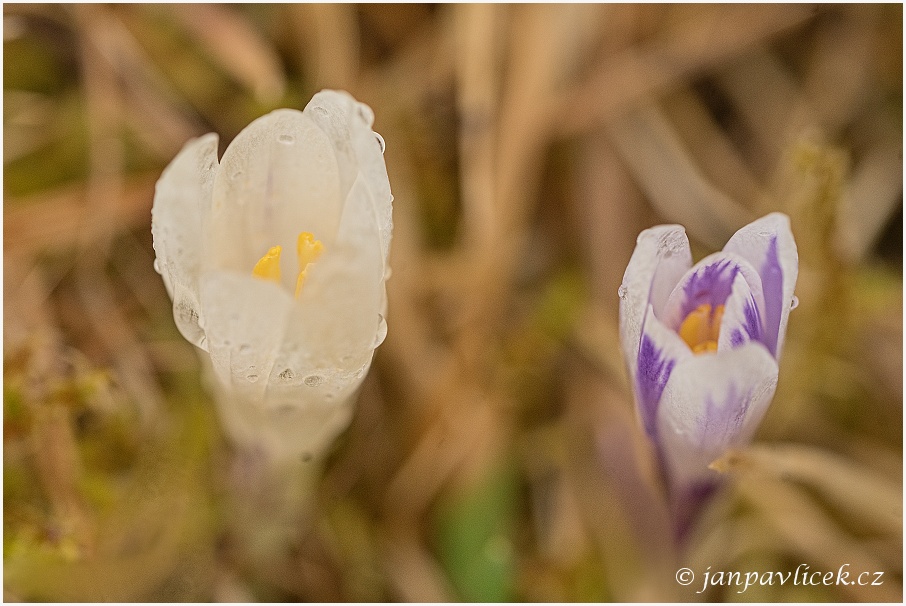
(495, 453)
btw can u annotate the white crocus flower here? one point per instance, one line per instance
(702, 342)
(275, 258)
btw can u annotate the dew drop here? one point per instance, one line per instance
(236, 175)
(157, 266)
(387, 273)
(313, 380)
(794, 303)
(287, 375)
(252, 378)
(380, 141)
(622, 291)
(286, 139)
(381, 331)
(245, 348)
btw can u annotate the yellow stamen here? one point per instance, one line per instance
(268, 266)
(701, 328)
(308, 250)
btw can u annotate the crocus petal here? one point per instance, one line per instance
(661, 257)
(181, 199)
(333, 329)
(769, 246)
(713, 402)
(367, 148)
(741, 321)
(244, 321)
(287, 430)
(278, 177)
(709, 282)
(660, 351)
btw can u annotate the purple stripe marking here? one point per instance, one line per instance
(772, 284)
(751, 330)
(711, 284)
(654, 369)
(724, 422)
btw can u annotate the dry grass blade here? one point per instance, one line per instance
(717, 155)
(53, 221)
(237, 46)
(719, 33)
(854, 489)
(807, 530)
(870, 199)
(328, 42)
(672, 182)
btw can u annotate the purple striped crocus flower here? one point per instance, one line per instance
(702, 342)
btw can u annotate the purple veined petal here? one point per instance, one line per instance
(660, 257)
(711, 403)
(661, 349)
(769, 246)
(741, 321)
(710, 282)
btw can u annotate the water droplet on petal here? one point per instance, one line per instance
(287, 375)
(381, 331)
(622, 291)
(245, 348)
(157, 266)
(236, 175)
(286, 139)
(380, 141)
(252, 378)
(387, 273)
(313, 380)
(794, 303)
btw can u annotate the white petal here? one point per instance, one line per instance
(278, 177)
(370, 155)
(181, 200)
(244, 320)
(660, 351)
(333, 328)
(660, 258)
(713, 402)
(769, 246)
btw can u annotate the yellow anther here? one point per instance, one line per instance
(268, 266)
(701, 328)
(308, 250)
